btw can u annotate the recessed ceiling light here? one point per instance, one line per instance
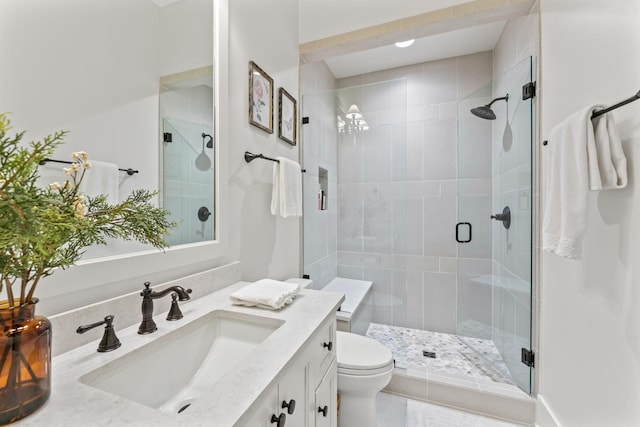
(405, 43)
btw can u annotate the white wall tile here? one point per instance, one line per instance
(440, 81)
(439, 227)
(440, 151)
(440, 302)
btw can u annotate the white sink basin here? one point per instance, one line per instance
(170, 373)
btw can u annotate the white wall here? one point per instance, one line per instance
(266, 33)
(589, 356)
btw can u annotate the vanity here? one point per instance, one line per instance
(221, 365)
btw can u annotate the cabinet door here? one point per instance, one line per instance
(263, 410)
(322, 351)
(292, 394)
(326, 398)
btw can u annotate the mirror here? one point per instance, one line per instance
(186, 118)
(118, 74)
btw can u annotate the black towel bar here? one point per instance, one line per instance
(129, 171)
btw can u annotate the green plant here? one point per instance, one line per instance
(43, 229)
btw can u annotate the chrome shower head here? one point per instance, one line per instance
(485, 111)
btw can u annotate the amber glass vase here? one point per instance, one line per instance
(25, 361)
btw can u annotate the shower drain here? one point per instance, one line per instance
(429, 354)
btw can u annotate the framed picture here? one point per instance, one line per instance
(288, 117)
(260, 98)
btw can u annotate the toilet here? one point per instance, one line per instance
(364, 368)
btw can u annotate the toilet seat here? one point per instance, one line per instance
(366, 372)
(358, 355)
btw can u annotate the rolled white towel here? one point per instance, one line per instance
(266, 293)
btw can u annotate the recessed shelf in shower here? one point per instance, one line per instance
(323, 188)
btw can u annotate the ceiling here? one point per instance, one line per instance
(454, 43)
(326, 19)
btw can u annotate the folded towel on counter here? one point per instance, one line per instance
(266, 293)
(581, 155)
(286, 197)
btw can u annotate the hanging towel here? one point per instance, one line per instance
(266, 293)
(101, 178)
(610, 170)
(286, 197)
(578, 159)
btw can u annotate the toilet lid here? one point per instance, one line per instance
(358, 352)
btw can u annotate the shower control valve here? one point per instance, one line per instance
(505, 217)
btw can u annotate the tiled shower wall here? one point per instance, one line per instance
(319, 144)
(397, 194)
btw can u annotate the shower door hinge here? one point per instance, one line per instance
(528, 90)
(305, 120)
(528, 358)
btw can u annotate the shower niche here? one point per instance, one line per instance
(323, 189)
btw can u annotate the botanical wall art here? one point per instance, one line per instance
(260, 98)
(288, 117)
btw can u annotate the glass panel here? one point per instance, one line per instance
(494, 269)
(357, 154)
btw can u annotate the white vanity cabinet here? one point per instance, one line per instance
(310, 381)
(326, 397)
(292, 394)
(261, 415)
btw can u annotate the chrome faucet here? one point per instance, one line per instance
(148, 325)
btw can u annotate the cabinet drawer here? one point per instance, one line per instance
(322, 351)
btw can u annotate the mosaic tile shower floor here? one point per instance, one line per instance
(455, 356)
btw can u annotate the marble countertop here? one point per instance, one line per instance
(75, 404)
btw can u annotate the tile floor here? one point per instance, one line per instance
(398, 411)
(455, 356)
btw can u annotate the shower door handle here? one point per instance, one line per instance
(458, 232)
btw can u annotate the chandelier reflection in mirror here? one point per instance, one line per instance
(353, 122)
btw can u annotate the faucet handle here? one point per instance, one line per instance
(174, 312)
(109, 340)
(146, 290)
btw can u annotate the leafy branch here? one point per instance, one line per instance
(43, 229)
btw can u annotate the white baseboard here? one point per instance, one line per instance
(544, 415)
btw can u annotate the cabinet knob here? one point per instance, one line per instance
(323, 410)
(291, 406)
(279, 420)
(328, 346)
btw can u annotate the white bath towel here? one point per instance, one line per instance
(266, 293)
(101, 178)
(578, 159)
(286, 196)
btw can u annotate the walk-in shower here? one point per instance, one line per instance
(425, 172)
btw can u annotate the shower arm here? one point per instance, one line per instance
(505, 98)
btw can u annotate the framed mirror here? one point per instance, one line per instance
(103, 70)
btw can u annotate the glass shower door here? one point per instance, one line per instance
(495, 224)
